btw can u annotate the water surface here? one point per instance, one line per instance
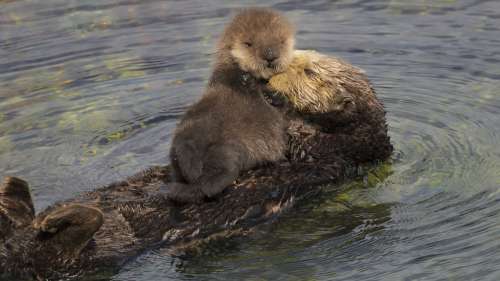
(90, 92)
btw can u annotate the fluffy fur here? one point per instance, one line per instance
(95, 233)
(260, 41)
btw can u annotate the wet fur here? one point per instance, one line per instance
(232, 128)
(16, 206)
(94, 234)
(99, 231)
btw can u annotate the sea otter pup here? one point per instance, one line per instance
(337, 98)
(232, 128)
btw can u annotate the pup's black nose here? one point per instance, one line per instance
(271, 56)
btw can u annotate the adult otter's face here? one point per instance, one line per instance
(261, 41)
(311, 84)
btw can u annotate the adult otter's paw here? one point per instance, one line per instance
(184, 193)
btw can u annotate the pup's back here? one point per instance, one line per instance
(242, 123)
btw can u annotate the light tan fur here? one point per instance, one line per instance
(317, 83)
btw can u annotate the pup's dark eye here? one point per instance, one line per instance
(248, 44)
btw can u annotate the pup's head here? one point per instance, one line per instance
(314, 83)
(260, 40)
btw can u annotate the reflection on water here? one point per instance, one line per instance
(91, 90)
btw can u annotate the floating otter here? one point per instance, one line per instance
(127, 218)
(232, 128)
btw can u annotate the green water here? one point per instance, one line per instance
(90, 92)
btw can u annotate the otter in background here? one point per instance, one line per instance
(232, 128)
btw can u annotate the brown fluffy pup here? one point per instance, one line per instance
(232, 128)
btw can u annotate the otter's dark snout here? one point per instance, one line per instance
(271, 56)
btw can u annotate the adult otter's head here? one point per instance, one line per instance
(259, 40)
(336, 98)
(316, 83)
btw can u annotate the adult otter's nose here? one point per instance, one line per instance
(270, 56)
